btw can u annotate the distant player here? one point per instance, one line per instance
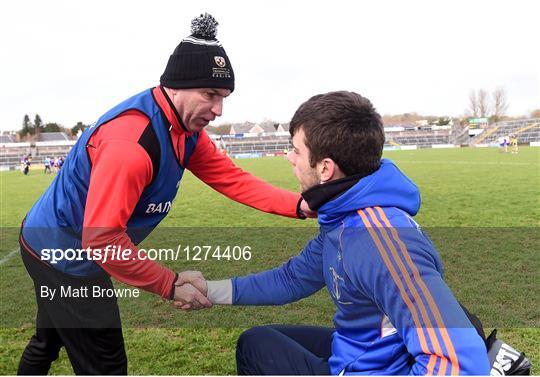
(60, 162)
(47, 165)
(503, 144)
(25, 164)
(514, 143)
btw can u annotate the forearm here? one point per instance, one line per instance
(246, 189)
(278, 286)
(246, 292)
(299, 277)
(272, 287)
(220, 173)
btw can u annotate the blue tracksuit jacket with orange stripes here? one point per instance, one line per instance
(394, 312)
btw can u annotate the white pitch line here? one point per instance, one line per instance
(8, 257)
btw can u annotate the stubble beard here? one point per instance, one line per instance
(313, 180)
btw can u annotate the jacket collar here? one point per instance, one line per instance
(386, 187)
(318, 195)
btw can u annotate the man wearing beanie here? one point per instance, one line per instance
(116, 185)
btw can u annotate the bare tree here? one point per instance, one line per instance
(473, 104)
(500, 104)
(483, 103)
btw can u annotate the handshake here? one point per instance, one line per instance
(191, 291)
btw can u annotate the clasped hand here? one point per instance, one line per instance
(190, 291)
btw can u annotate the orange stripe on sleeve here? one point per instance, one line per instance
(431, 302)
(412, 288)
(442, 367)
(431, 365)
(393, 273)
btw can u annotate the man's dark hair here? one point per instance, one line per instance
(343, 126)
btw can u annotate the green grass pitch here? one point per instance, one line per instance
(480, 207)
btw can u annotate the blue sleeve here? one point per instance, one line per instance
(399, 269)
(300, 277)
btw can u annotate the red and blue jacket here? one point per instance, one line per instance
(395, 315)
(119, 181)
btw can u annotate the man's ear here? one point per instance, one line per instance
(327, 169)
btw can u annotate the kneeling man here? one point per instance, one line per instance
(394, 312)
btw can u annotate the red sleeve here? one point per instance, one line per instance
(121, 169)
(219, 172)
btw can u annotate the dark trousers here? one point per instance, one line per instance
(284, 350)
(89, 328)
(292, 350)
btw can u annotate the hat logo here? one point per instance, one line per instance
(220, 61)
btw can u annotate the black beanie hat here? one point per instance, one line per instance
(199, 61)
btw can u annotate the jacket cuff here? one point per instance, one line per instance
(220, 291)
(171, 295)
(299, 212)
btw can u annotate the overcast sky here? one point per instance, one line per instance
(71, 61)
